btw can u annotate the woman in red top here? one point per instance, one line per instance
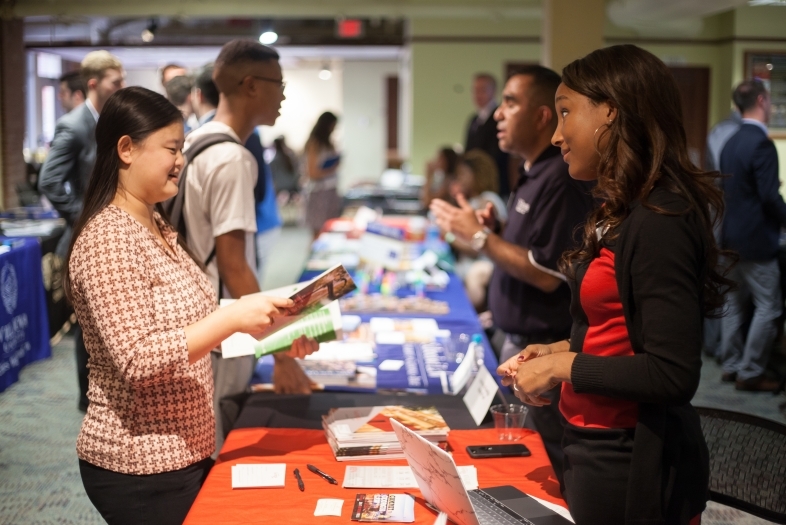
(641, 283)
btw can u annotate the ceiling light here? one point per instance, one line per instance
(150, 31)
(324, 73)
(268, 38)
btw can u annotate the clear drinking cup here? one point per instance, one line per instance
(509, 421)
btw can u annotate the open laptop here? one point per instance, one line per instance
(440, 483)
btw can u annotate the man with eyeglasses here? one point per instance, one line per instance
(219, 208)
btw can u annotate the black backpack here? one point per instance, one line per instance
(172, 209)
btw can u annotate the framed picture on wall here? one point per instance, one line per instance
(770, 68)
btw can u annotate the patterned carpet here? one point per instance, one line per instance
(39, 422)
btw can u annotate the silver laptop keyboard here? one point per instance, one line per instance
(491, 512)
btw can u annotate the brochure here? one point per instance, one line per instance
(316, 313)
(398, 508)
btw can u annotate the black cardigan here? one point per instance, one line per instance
(659, 267)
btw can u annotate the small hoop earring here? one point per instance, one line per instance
(595, 142)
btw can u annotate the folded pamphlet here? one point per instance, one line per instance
(395, 508)
(316, 314)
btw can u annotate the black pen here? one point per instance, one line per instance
(299, 481)
(318, 472)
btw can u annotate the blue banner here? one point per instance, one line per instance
(24, 325)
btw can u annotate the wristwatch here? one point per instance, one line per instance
(479, 239)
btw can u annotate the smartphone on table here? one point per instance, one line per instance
(498, 451)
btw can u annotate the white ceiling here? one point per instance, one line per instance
(192, 57)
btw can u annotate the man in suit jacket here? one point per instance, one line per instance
(754, 215)
(482, 128)
(67, 167)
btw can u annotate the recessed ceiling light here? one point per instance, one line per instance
(268, 38)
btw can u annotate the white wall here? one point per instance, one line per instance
(147, 78)
(307, 98)
(365, 120)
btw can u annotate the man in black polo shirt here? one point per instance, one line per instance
(528, 296)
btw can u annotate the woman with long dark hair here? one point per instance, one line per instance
(150, 319)
(642, 281)
(320, 190)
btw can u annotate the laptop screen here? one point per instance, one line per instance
(437, 476)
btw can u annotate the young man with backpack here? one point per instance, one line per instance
(218, 198)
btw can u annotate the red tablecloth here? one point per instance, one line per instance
(218, 503)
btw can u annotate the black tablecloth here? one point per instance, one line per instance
(298, 411)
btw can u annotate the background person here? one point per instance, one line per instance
(71, 91)
(482, 128)
(170, 71)
(65, 173)
(634, 449)
(754, 215)
(283, 166)
(477, 180)
(205, 97)
(145, 443)
(320, 191)
(219, 203)
(716, 140)
(440, 172)
(178, 91)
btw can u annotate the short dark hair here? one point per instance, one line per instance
(204, 83)
(73, 80)
(234, 55)
(544, 84)
(167, 68)
(488, 77)
(747, 94)
(178, 89)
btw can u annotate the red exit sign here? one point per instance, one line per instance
(349, 28)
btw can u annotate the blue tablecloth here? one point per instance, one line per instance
(24, 324)
(418, 375)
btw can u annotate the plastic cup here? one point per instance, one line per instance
(509, 421)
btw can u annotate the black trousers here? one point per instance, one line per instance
(154, 499)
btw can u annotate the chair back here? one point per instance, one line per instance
(747, 462)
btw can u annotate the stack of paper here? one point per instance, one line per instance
(363, 433)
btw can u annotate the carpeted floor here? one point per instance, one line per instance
(39, 423)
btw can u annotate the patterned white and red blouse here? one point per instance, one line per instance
(150, 411)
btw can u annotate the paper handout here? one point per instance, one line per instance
(329, 507)
(315, 314)
(258, 475)
(397, 477)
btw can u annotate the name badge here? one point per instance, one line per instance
(522, 206)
